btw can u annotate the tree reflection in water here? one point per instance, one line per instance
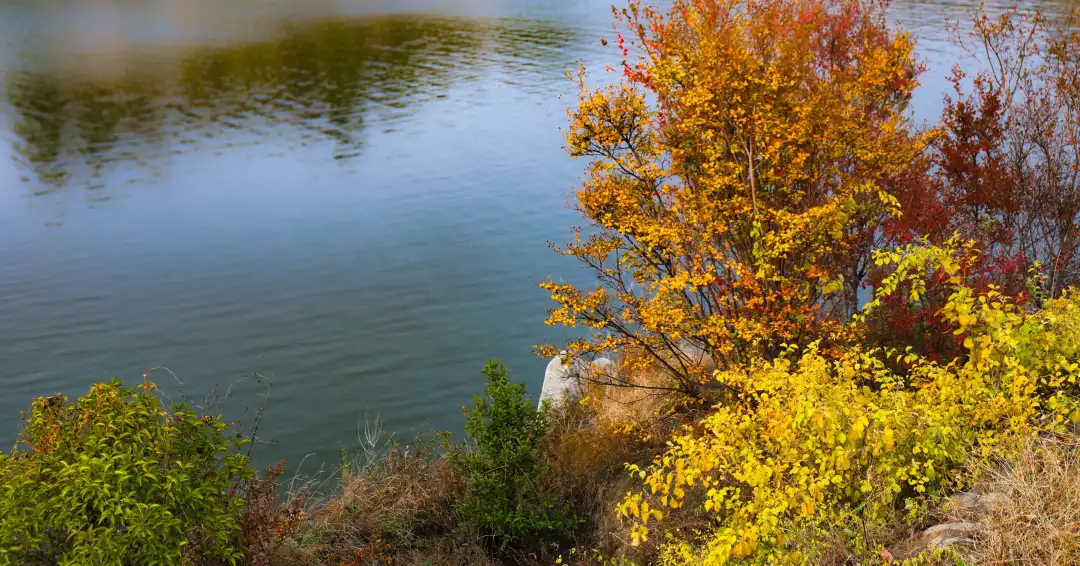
(316, 81)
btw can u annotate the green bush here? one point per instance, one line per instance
(504, 467)
(117, 479)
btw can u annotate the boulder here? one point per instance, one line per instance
(566, 382)
(951, 534)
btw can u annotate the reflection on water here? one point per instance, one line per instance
(325, 80)
(354, 203)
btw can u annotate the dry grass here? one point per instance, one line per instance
(849, 538)
(625, 417)
(589, 464)
(633, 391)
(397, 505)
(396, 502)
(1037, 520)
(392, 506)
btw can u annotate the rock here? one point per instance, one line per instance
(567, 383)
(603, 368)
(973, 505)
(697, 355)
(977, 502)
(950, 534)
(938, 536)
(560, 382)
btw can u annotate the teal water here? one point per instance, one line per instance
(351, 199)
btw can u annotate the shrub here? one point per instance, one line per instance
(504, 469)
(1001, 171)
(266, 522)
(116, 478)
(815, 443)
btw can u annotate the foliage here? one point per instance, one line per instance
(1004, 171)
(1029, 168)
(753, 171)
(504, 464)
(731, 228)
(265, 521)
(841, 441)
(116, 478)
(738, 177)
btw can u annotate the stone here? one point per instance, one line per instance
(566, 383)
(951, 534)
(697, 355)
(938, 536)
(975, 502)
(604, 368)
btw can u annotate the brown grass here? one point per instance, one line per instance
(589, 465)
(1038, 518)
(634, 392)
(625, 416)
(398, 501)
(397, 507)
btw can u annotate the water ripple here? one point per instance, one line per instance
(324, 81)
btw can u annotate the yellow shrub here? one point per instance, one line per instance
(807, 439)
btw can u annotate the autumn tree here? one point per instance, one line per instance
(1004, 173)
(738, 176)
(1032, 71)
(964, 187)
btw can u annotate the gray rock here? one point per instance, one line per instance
(938, 536)
(976, 502)
(973, 504)
(566, 383)
(947, 534)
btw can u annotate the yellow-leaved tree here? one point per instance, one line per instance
(737, 176)
(816, 453)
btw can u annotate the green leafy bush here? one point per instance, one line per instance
(116, 478)
(504, 467)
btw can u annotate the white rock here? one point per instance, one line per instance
(566, 383)
(604, 368)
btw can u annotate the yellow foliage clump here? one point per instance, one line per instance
(812, 439)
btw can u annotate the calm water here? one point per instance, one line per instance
(351, 198)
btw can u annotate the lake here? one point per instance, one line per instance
(348, 203)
